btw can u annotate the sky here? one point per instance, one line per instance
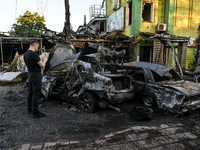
(53, 10)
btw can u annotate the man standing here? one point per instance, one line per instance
(34, 65)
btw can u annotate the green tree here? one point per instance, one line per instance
(29, 25)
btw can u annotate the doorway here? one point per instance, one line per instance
(146, 53)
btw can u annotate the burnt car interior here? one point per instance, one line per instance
(103, 61)
(136, 73)
(171, 75)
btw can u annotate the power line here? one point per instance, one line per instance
(45, 5)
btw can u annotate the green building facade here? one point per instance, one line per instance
(175, 20)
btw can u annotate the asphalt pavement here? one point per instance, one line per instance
(171, 136)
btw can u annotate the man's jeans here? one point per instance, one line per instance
(34, 89)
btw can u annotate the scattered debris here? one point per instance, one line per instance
(141, 113)
(88, 30)
(2, 111)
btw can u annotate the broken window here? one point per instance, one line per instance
(102, 27)
(147, 12)
(129, 13)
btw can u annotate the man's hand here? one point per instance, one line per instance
(42, 62)
(45, 59)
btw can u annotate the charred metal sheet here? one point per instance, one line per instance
(192, 103)
(189, 88)
(88, 30)
(169, 99)
(159, 69)
(9, 76)
(47, 86)
(59, 53)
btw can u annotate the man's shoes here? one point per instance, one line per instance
(38, 115)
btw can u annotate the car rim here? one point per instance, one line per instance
(148, 101)
(198, 79)
(85, 103)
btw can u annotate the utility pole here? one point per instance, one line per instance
(67, 21)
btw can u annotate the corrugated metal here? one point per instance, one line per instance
(158, 52)
(184, 55)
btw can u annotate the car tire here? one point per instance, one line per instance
(197, 79)
(87, 102)
(141, 113)
(148, 101)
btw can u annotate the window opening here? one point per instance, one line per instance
(146, 54)
(129, 13)
(102, 27)
(147, 12)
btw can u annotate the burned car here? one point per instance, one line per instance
(98, 77)
(92, 78)
(161, 85)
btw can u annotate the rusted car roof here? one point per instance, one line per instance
(159, 69)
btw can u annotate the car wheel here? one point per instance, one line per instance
(148, 101)
(87, 102)
(197, 79)
(141, 113)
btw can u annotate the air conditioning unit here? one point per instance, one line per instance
(161, 27)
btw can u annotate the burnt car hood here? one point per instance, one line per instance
(159, 69)
(189, 88)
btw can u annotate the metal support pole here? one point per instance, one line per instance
(2, 55)
(67, 21)
(175, 58)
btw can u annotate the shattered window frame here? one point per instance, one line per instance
(147, 12)
(129, 13)
(170, 75)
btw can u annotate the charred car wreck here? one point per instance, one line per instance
(161, 85)
(98, 77)
(92, 78)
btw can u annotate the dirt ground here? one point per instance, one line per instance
(65, 121)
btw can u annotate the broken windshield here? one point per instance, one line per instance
(170, 75)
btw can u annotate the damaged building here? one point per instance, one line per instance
(97, 24)
(12, 48)
(144, 19)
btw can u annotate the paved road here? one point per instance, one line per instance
(63, 128)
(163, 137)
